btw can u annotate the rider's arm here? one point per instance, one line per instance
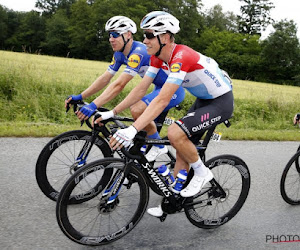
(157, 105)
(113, 89)
(135, 95)
(97, 85)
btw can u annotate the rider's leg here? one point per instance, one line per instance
(188, 155)
(156, 150)
(180, 164)
(202, 115)
(138, 109)
(151, 129)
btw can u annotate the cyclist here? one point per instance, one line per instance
(296, 119)
(201, 76)
(134, 55)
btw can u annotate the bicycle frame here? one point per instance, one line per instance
(155, 181)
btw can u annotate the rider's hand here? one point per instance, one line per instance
(297, 119)
(86, 111)
(123, 137)
(103, 116)
(72, 97)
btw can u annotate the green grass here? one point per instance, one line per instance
(33, 89)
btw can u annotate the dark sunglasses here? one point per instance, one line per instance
(149, 35)
(114, 34)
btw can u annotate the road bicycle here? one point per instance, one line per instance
(106, 209)
(69, 151)
(290, 180)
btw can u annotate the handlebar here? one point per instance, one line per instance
(77, 105)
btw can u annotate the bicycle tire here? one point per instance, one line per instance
(98, 224)
(290, 181)
(53, 166)
(232, 174)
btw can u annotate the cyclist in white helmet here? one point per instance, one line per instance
(134, 55)
(201, 76)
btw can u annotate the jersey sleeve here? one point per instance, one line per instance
(155, 65)
(177, 72)
(115, 64)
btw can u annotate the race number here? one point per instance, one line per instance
(216, 136)
(169, 120)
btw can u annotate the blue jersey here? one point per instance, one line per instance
(137, 62)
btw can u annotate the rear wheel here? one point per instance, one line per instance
(100, 219)
(221, 199)
(290, 181)
(58, 159)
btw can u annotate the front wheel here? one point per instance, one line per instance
(59, 159)
(221, 199)
(290, 181)
(105, 215)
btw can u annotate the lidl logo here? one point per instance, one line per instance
(134, 61)
(175, 67)
(113, 61)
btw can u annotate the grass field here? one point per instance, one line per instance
(33, 89)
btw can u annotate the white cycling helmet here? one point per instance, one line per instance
(161, 22)
(120, 24)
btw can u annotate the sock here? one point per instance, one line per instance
(199, 168)
(156, 136)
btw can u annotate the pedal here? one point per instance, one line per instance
(163, 217)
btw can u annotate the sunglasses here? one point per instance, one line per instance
(114, 34)
(149, 35)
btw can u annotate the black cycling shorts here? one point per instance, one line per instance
(205, 113)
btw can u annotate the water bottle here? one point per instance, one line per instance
(181, 178)
(143, 149)
(164, 171)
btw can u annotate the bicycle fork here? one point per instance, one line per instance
(109, 197)
(84, 152)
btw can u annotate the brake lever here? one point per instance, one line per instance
(67, 108)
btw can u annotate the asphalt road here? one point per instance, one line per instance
(27, 217)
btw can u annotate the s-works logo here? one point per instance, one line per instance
(288, 238)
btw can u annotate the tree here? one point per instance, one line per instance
(57, 37)
(83, 31)
(281, 53)
(3, 26)
(222, 21)
(236, 53)
(31, 32)
(49, 7)
(255, 16)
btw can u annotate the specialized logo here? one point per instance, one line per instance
(175, 67)
(113, 61)
(134, 60)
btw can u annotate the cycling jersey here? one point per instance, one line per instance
(137, 62)
(199, 74)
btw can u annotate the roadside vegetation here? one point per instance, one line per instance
(33, 89)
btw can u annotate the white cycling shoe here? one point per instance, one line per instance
(196, 184)
(154, 152)
(155, 211)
